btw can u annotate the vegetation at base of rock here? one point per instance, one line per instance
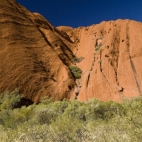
(98, 47)
(76, 71)
(9, 99)
(77, 60)
(70, 121)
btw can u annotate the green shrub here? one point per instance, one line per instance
(45, 115)
(76, 71)
(67, 129)
(98, 47)
(71, 121)
(77, 60)
(75, 109)
(109, 109)
(22, 114)
(77, 75)
(9, 99)
(46, 100)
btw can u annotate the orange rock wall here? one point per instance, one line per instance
(114, 71)
(28, 60)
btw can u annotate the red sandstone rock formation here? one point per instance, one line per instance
(112, 54)
(35, 56)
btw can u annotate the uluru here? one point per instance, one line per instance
(102, 60)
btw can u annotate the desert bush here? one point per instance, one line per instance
(107, 110)
(67, 129)
(25, 133)
(75, 109)
(9, 99)
(13, 118)
(76, 71)
(71, 121)
(22, 114)
(77, 60)
(98, 47)
(7, 102)
(46, 100)
(45, 115)
(46, 112)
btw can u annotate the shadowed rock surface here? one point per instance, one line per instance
(35, 57)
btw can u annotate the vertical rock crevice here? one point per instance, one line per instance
(131, 61)
(101, 69)
(115, 52)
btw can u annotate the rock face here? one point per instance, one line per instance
(35, 57)
(112, 54)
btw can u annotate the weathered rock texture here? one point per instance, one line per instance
(34, 57)
(112, 54)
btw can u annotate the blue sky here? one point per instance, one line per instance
(77, 13)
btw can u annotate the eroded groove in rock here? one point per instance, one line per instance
(88, 77)
(131, 61)
(135, 75)
(101, 69)
(115, 52)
